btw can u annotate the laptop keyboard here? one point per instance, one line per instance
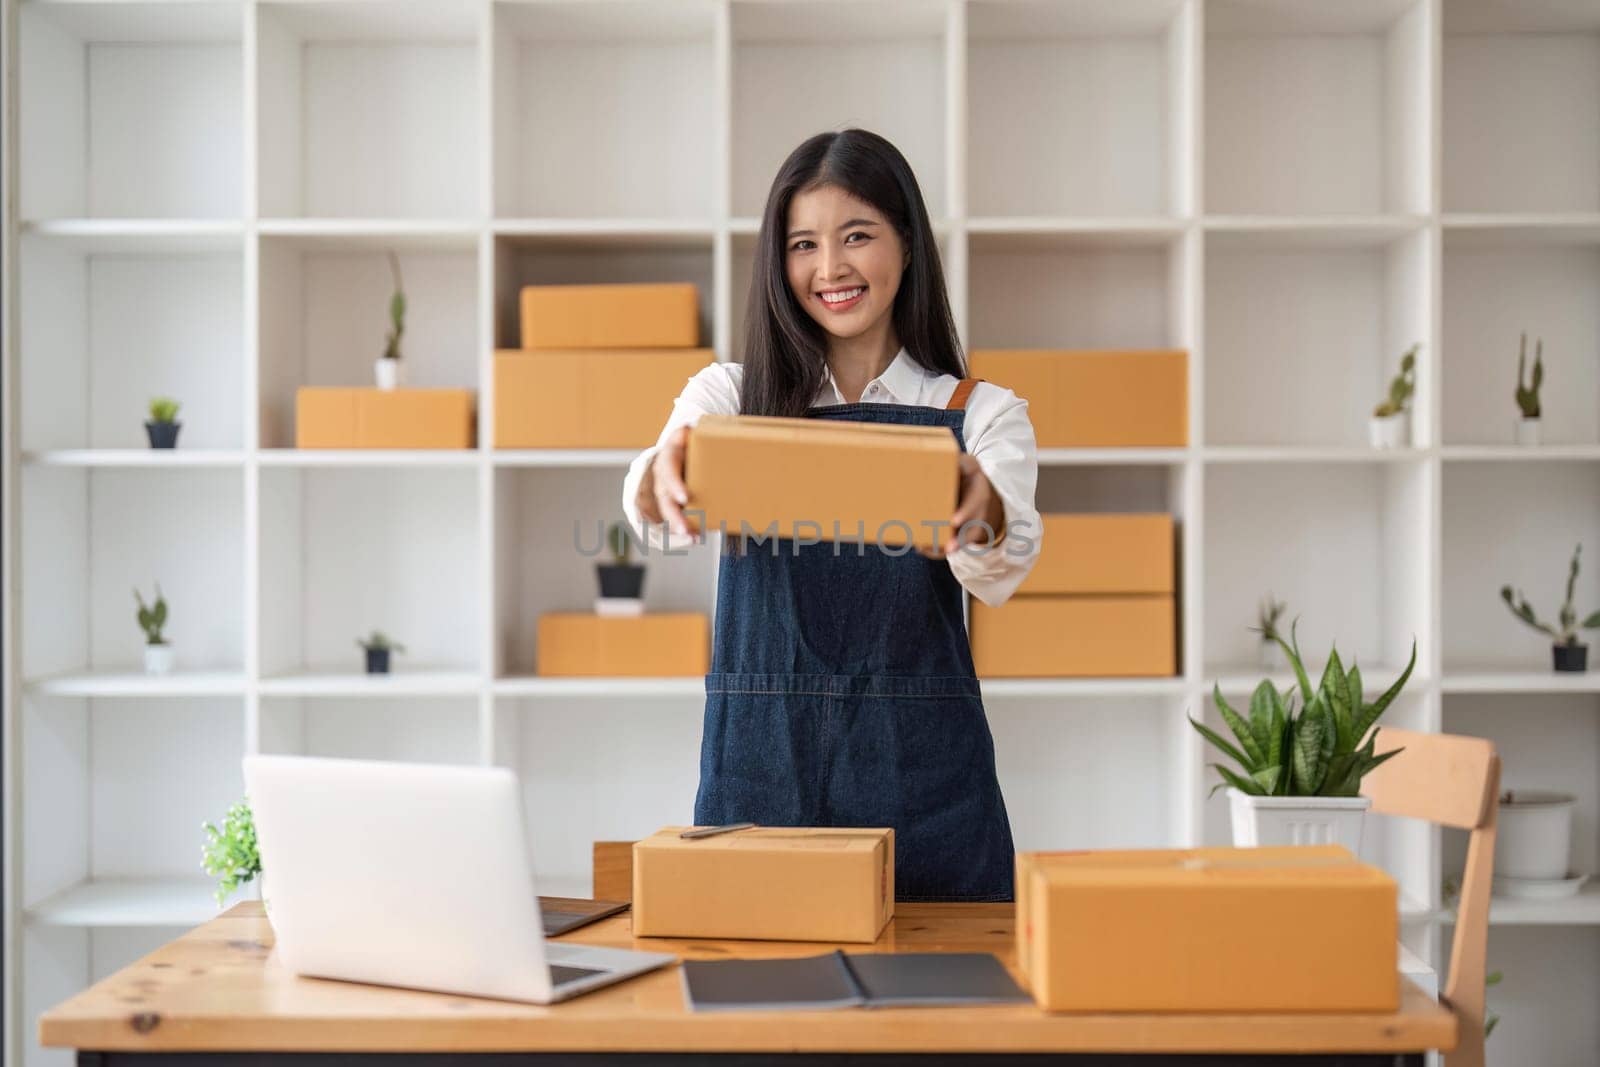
(561, 975)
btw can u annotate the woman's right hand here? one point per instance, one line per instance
(662, 494)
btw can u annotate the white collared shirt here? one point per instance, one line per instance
(997, 432)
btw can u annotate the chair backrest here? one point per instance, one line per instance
(613, 870)
(1453, 781)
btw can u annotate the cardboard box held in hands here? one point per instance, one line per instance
(821, 480)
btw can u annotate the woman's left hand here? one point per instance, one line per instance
(978, 504)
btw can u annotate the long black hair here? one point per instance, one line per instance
(785, 350)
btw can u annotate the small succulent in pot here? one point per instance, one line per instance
(152, 618)
(1390, 425)
(1567, 652)
(621, 579)
(388, 368)
(378, 647)
(1529, 418)
(163, 425)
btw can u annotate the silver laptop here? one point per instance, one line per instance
(412, 875)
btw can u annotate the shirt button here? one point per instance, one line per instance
(872, 389)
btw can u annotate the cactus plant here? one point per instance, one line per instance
(1565, 631)
(1401, 387)
(621, 544)
(397, 312)
(1324, 751)
(1528, 397)
(152, 617)
(164, 409)
(380, 642)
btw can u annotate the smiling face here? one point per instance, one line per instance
(844, 261)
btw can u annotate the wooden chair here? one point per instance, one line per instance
(613, 870)
(1453, 781)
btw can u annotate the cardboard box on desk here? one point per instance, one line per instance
(336, 417)
(767, 883)
(664, 315)
(1096, 399)
(639, 646)
(604, 398)
(1307, 929)
(823, 480)
(1072, 636)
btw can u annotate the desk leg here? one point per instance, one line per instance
(727, 1059)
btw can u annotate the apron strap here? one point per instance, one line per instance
(958, 399)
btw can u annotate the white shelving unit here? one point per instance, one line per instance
(1293, 191)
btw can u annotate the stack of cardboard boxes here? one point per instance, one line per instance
(599, 365)
(1098, 603)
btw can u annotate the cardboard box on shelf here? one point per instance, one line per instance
(766, 883)
(1072, 636)
(821, 480)
(336, 417)
(1103, 553)
(1200, 930)
(602, 398)
(655, 315)
(651, 645)
(1096, 398)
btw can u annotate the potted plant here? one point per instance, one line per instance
(1390, 425)
(158, 655)
(388, 369)
(621, 580)
(1567, 653)
(378, 647)
(163, 425)
(1534, 844)
(1270, 655)
(1528, 422)
(229, 853)
(1299, 776)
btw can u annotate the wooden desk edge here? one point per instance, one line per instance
(126, 1012)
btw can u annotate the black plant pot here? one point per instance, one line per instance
(1571, 657)
(162, 434)
(621, 580)
(377, 661)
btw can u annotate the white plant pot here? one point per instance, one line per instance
(1267, 821)
(390, 373)
(1535, 836)
(1271, 657)
(1528, 431)
(158, 659)
(1393, 431)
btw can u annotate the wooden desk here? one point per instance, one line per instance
(220, 989)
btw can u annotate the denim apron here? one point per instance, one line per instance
(842, 693)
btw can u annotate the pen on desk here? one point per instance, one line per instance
(708, 831)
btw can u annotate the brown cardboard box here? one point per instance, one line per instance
(650, 646)
(663, 315)
(376, 418)
(1096, 399)
(1216, 929)
(766, 883)
(1053, 636)
(606, 398)
(324, 417)
(1103, 553)
(822, 480)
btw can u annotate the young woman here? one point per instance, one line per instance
(841, 690)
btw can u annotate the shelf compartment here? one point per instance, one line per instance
(549, 536)
(1518, 91)
(1513, 524)
(131, 110)
(369, 109)
(334, 567)
(1317, 109)
(606, 110)
(885, 65)
(324, 318)
(421, 727)
(107, 325)
(125, 902)
(179, 683)
(1493, 293)
(1295, 355)
(1108, 86)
